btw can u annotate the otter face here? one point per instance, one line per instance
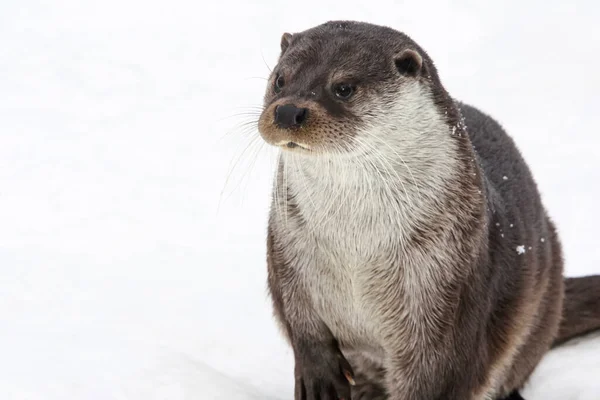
(340, 83)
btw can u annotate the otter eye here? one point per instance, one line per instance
(279, 83)
(343, 91)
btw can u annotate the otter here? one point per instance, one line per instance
(409, 254)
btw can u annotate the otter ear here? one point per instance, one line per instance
(285, 41)
(409, 63)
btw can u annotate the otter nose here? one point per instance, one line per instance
(290, 116)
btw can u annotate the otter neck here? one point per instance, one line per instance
(386, 194)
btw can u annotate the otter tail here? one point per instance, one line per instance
(581, 308)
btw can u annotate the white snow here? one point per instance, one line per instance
(126, 274)
(521, 249)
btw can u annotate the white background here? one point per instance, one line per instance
(131, 268)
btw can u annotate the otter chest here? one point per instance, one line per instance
(338, 275)
(344, 244)
(338, 294)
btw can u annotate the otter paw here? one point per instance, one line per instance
(322, 373)
(515, 395)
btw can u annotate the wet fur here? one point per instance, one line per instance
(398, 243)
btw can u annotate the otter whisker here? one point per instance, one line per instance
(253, 158)
(232, 168)
(243, 128)
(243, 112)
(255, 114)
(264, 61)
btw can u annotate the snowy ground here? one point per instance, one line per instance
(127, 275)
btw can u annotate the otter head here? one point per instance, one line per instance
(343, 87)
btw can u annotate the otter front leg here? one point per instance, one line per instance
(321, 371)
